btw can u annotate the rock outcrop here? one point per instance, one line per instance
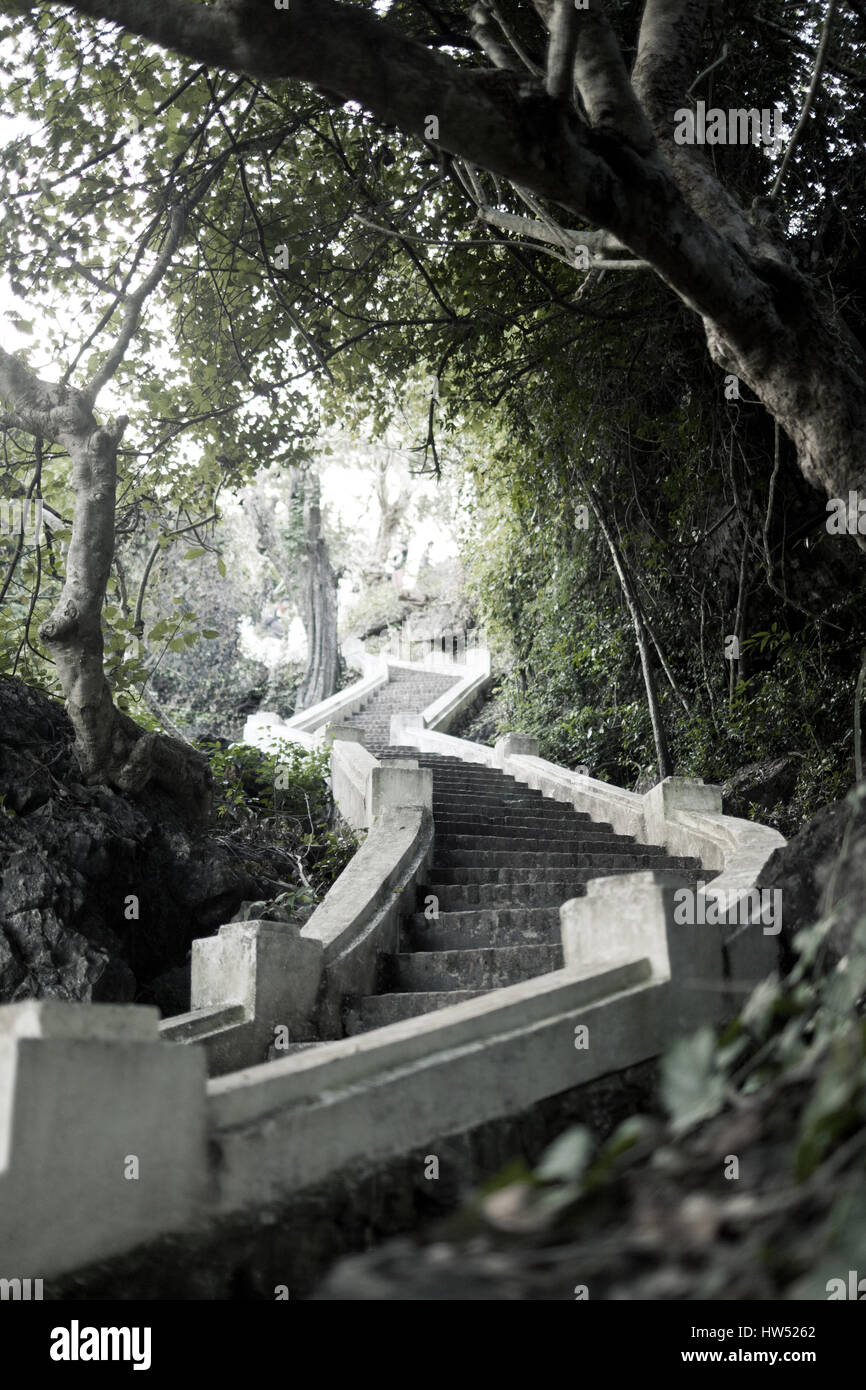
(101, 894)
(822, 871)
(762, 784)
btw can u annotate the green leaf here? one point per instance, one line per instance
(567, 1157)
(194, 553)
(692, 1089)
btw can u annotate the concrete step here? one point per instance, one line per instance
(472, 775)
(401, 703)
(377, 1010)
(463, 931)
(489, 795)
(506, 807)
(508, 877)
(521, 828)
(476, 897)
(468, 772)
(574, 842)
(474, 802)
(491, 967)
(530, 859)
(539, 893)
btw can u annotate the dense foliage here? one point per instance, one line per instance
(284, 798)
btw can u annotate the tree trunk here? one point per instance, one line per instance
(318, 605)
(109, 746)
(391, 514)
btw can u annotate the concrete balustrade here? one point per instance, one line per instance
(380, 1094)
(351, 768)
(410, 730)
(248, 980)
(254, 978)
(103, 1140)
(288, 1125)
(335, 709)
(690, 957)
(468, 689)
(360, 916)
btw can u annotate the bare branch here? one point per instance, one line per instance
(541, 213)
(552, 233)
(717, 63)
(509, 35)
(490, 39)
(810, 97)
(134, 302)
(505, 221)
(469, 179)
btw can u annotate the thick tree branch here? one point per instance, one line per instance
(603, 83)
(669, 46)
(561, 50)
(669, 49)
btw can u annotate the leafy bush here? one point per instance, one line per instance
(287, 794)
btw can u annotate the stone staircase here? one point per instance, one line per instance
(405, 692)
(506, 857)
